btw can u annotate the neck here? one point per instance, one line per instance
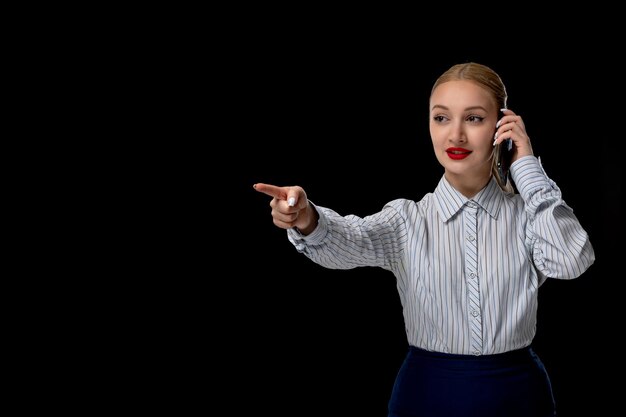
(469, 187)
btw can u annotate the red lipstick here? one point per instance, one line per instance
(458, 153)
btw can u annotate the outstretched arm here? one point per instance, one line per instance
(335, 241)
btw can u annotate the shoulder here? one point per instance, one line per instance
(411, 208)
(513, 200)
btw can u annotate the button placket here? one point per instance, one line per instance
(470, 214)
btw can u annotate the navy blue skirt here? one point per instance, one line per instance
(511, 384)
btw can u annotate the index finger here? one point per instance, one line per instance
(271, 190)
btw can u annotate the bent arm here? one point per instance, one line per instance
(559, 245)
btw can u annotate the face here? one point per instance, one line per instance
(463, 119)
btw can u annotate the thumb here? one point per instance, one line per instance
(292, 197)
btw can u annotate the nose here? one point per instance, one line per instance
(457, 134)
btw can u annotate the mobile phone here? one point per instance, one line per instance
(504, 157)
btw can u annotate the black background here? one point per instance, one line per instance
(163, 284)
(250, 325)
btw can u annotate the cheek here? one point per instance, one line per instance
(483, 143)
(484, 135)
(435, 133)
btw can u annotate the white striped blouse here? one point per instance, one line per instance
(468, 270)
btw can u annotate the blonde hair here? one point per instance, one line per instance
(487, 78)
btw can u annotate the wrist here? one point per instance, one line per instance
(310, 217)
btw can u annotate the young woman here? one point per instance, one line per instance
(469, 257)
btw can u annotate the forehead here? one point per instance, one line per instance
(461, 94)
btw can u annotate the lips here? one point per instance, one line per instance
(458, 153)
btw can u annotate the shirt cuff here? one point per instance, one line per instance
(316, 236)
(530, 177)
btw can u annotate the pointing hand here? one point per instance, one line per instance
(290, 207)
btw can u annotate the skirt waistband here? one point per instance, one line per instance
(523, 353)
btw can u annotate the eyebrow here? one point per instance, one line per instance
(439, 106)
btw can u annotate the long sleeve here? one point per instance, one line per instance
(559, 245)
(351, 241)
